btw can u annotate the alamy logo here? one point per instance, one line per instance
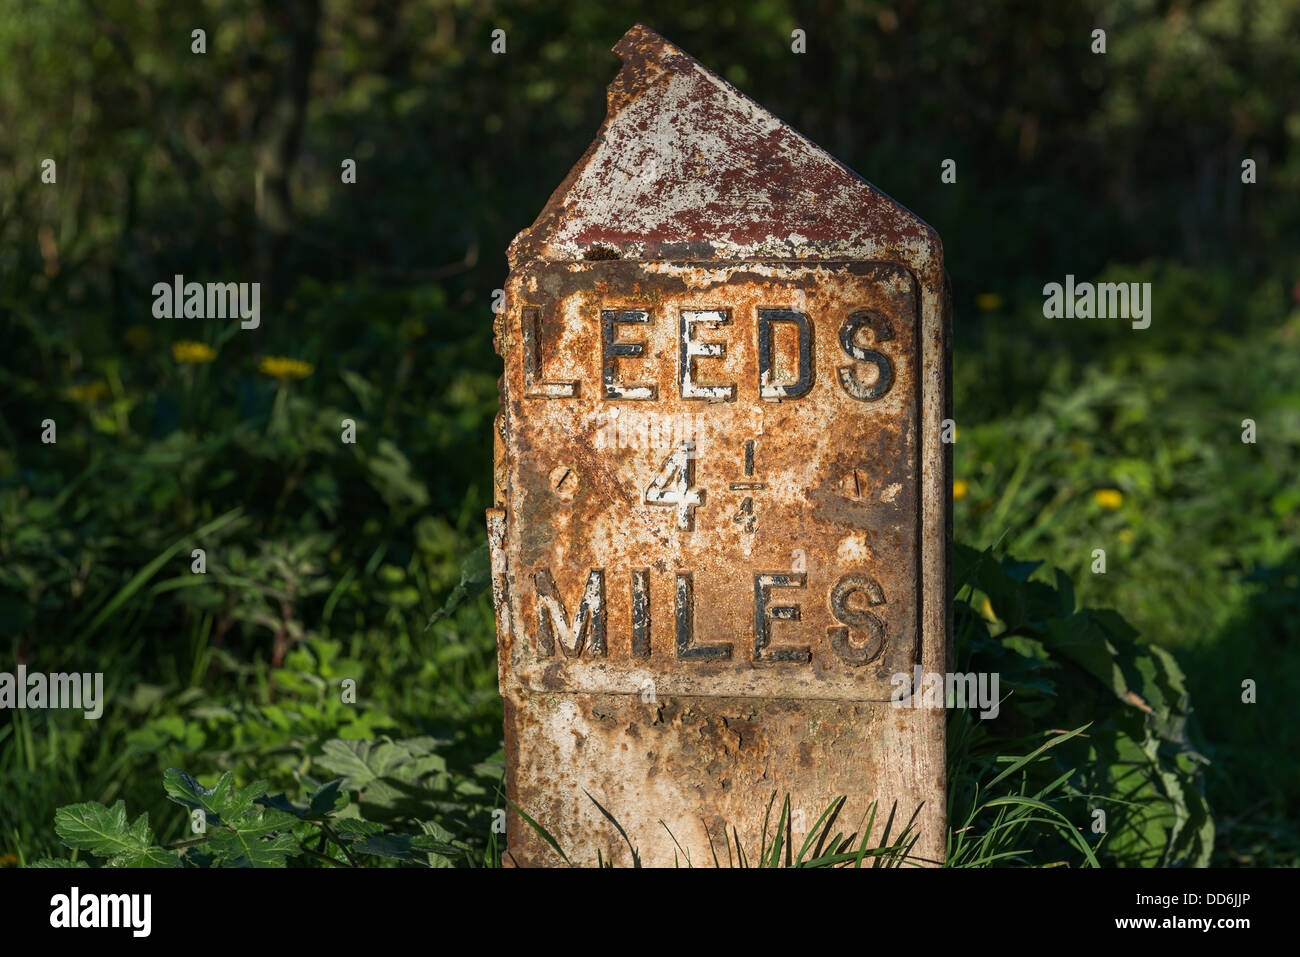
(632, 429)
(103, 910)
(1104, 300)
(931, 689)
(214, 300)
(59, 690)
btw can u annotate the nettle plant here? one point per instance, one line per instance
(231, 826)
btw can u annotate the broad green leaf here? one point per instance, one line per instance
(261, 839)
(399, 847)
(152, 857)
(57, 862)
(222, 803)
(328, 799)
(103, 831)
(360, 762)
(354, 828)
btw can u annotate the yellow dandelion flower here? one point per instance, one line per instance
(284, 368)
(988, 301)
(91, 392)
(192, 353)
(138, 338)
(8, 860)
(1109, 497)
(959, 489)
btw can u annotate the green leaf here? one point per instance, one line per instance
(360, 762)
(475, 576)
(411, 848)
(442, 851)
(260, 840)
(238, 835)
(152, 857)
(102, 831)
(1079, 638)
(222, 803)
(106, 833)
(57, 862)
(328, 799)
(354, 828)
(398, 779)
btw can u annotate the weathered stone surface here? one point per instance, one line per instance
(721, 522)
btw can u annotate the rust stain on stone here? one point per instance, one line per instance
(686, 166)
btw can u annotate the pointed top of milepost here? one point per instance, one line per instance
(686, 167)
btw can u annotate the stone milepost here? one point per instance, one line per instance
(722, 512)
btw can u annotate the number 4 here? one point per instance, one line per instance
(745, 514)
(673, 486)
